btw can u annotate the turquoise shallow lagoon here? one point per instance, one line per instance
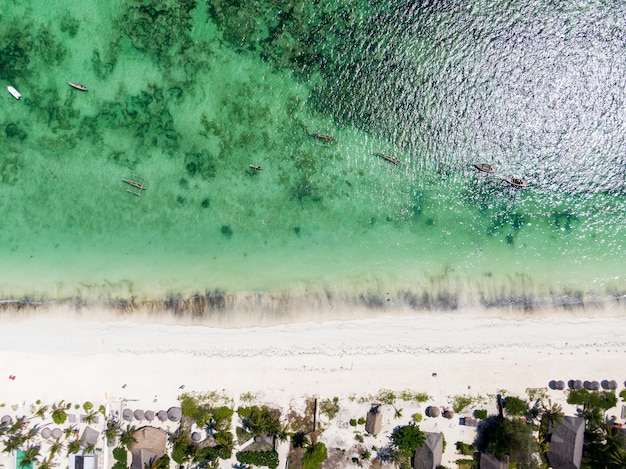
(189, 94)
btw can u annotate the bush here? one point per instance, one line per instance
(515, 406)
(596, 399)
(465, 449)
(623, 395)
(417, 418)
(330, 408)
(314, 456)
(120, 454)
(87, 406)
(361, 421)
(119, 465)
(259, 458)
(353, 422)
(461, 402)
(480, 414)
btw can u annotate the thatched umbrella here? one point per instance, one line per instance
(612, 385)
(56, 433)
(552, 384)
(175, 414)
(575, 384)
(433, 411)
(591, 385)
(148, 415)
(162, 415)
(560, 385)
(448, 413)
(138, 414)
(6, 419)
(195, 436)
(127, 415)
(45, 433)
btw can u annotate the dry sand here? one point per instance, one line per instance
(91, 355)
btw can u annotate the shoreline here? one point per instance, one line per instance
(147, 362)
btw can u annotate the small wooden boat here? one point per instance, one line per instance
(16, 94)
(321, 136)
(517, 182)
(137, 185)
(485, 168)
(391, 159)
(78, 86)
(256, 166)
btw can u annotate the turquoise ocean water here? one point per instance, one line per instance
(188, 94)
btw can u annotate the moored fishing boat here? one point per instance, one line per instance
(16, 94)
(517, 182)
(321, 136)
(485, 168)
(391, 159)
(78, 86)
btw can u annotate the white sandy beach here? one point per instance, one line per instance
(91, 356)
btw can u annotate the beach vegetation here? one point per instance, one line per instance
(515, 406)
(90, 417)
(412, 396)
(551, 414)
(480, 414)
(249, 397)
(299, 440)
(119, 465)
(127, 437)
(242, 435)
(329, 408)
(87, 406)
(462, 402)
(465, 449)
(358, 437)
(158, 462)
(513, 437)
(603, 400)
(361, 421)
(55, 448)
(259, 458)
(73, 447)
(112, 430)
(314, 456)
(406, 439)
(120, 454)
(40, 411)
(59, 415)
(417, 418)
(260, 420)
(30, 456)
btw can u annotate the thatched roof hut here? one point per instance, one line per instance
(428, 456)
(566, 444)
(89, 437)
(490, 461)
(150, 443)
(374, 420)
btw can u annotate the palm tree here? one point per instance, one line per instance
(41, 412)
(30, 456)
(89, 449)
(55, 448)
(552, 414)
(158, 462)
(112, 430)
(73, 447)
(127, 437)
(91, 416)
(11, 444)
(617, 459)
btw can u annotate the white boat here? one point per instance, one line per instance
(16, 94)
(78, 86)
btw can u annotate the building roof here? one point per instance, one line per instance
(428, 456)
(566, 444)
(490, 461)
(373, 422)
(89, 437)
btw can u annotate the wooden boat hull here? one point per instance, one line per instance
(485, 168)
(516, 182)
(391, 159)
(16, 94)
(321, 136)
(78, 86)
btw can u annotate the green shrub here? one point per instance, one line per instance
(330, 408)
(87, 406)
(361, 421)
(119, 465)
(480, 414)
(353, 422)
(418, 397)
(465, 449)
(460, 402)
(120, 454)
(623, 395)
(417, 418)
(259, 458)
(314, 456)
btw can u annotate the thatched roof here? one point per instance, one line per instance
(428, 456)
(56, 433)
(373, 422)
(433, 411)
(150, 443)
(609, 385)
(143, 458)
(490, 461)
(148, 415)
(5, 420)
(566, 444)
(559, 385)
(138, 414)
(162, 415)
(89, 437)
(448, 413)
(591, 385)
(575, 384)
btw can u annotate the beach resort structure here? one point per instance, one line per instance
(374, 420)
(566, 443)
(429, 455)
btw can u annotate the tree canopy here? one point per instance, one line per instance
(407, 439)
(515, 407)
